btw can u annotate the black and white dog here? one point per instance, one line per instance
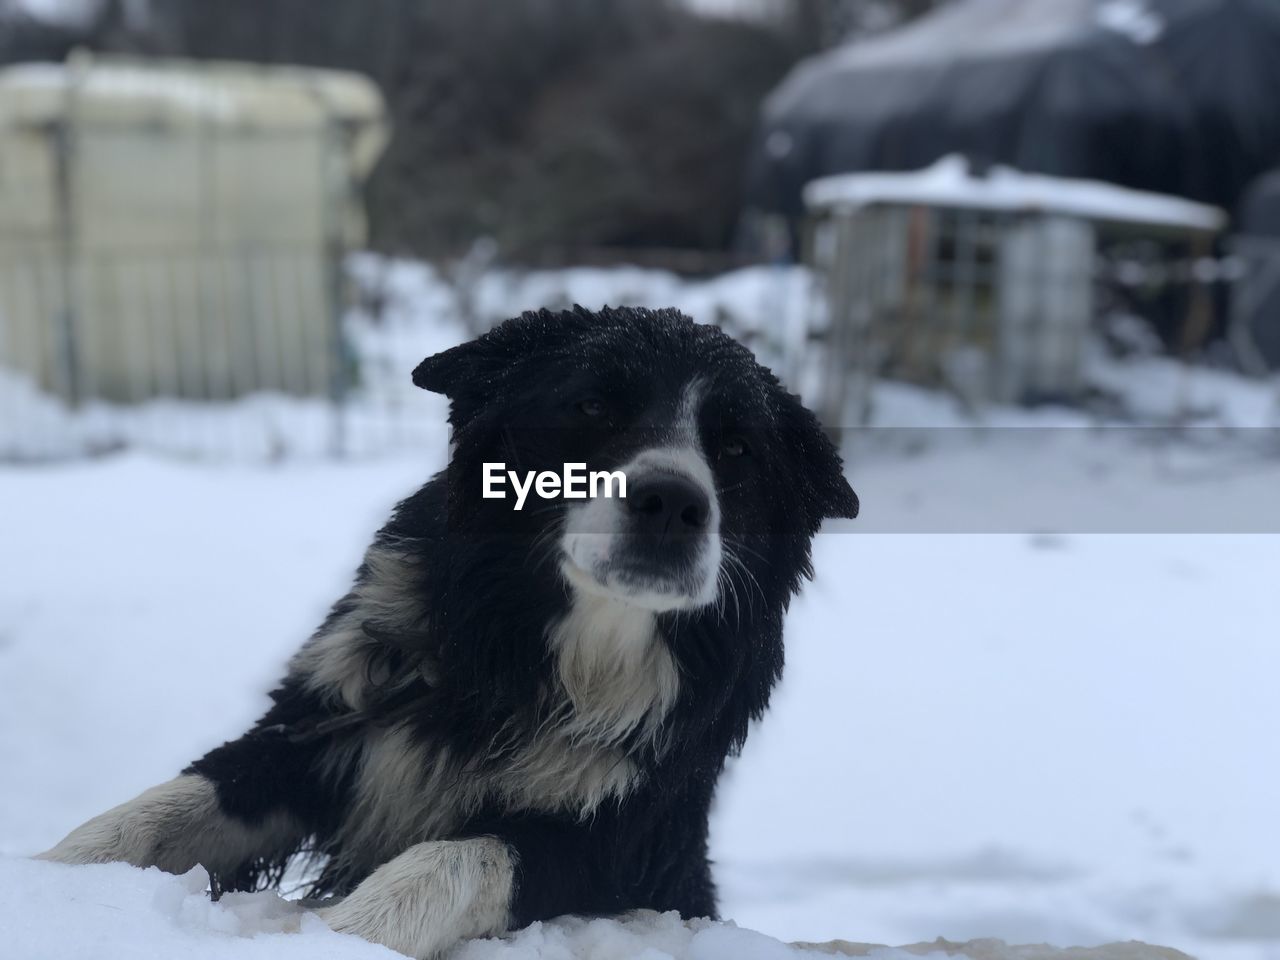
(517, 714)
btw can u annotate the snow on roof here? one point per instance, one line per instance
(949, 183)
(45, 84)
(75, 12)
(979, 29)
(124, 91)
(1134, 18)
(965, 31)
(970, 29)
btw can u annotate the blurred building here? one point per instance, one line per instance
(1174, 96)
(1162, 96)
(981, 284)
(174, 229)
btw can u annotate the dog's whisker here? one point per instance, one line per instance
(727, 573)
(745, 573)
(740, 547)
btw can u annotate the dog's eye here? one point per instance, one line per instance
(734, 447)
(591, 407)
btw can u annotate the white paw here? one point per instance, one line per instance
(379, 927)
(430, 897)
(150, 830)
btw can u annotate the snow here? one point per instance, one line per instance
(1134, 19)
(162, 916)
(116, 91)
(986, 29)
(762, 10)
(72, 12)
(972, 29)
(1030, 696)
(948, 183)
(1039, 736)
(116, 82)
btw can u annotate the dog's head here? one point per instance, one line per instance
(727, 475)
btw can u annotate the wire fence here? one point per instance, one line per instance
(253, 353)
(283, 351)
(1001, 307)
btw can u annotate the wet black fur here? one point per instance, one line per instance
(492, 593)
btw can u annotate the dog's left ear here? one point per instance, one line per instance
(473, 367)
(464, 365)
(822, 484)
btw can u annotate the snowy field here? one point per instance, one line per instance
(1032, 695)
(1066, 738)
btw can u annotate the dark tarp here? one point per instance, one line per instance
(1224, 57)
(1175, 96)
(1259, 214)
(1259, 244)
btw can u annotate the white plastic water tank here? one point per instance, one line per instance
(168, 228)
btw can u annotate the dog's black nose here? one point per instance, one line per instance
(668, 503)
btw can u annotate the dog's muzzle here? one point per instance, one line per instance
(659, 547)
(668, 510)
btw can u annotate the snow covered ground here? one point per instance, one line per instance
(1041, 736)
(1032, 694)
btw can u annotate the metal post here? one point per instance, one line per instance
(337, 187)
(1198, 320)
(65, 319)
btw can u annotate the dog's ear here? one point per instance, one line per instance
(474, 365)
(464, 364)
(824, 490)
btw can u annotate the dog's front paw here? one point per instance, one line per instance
(110, 838)
(387, 927)
(434, 894)
(155, 829)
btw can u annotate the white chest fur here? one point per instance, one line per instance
(617, 679)
(617, 673)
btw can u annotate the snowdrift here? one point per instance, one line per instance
(117, 912)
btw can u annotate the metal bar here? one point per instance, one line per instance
(65, 318)
(335, 186)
